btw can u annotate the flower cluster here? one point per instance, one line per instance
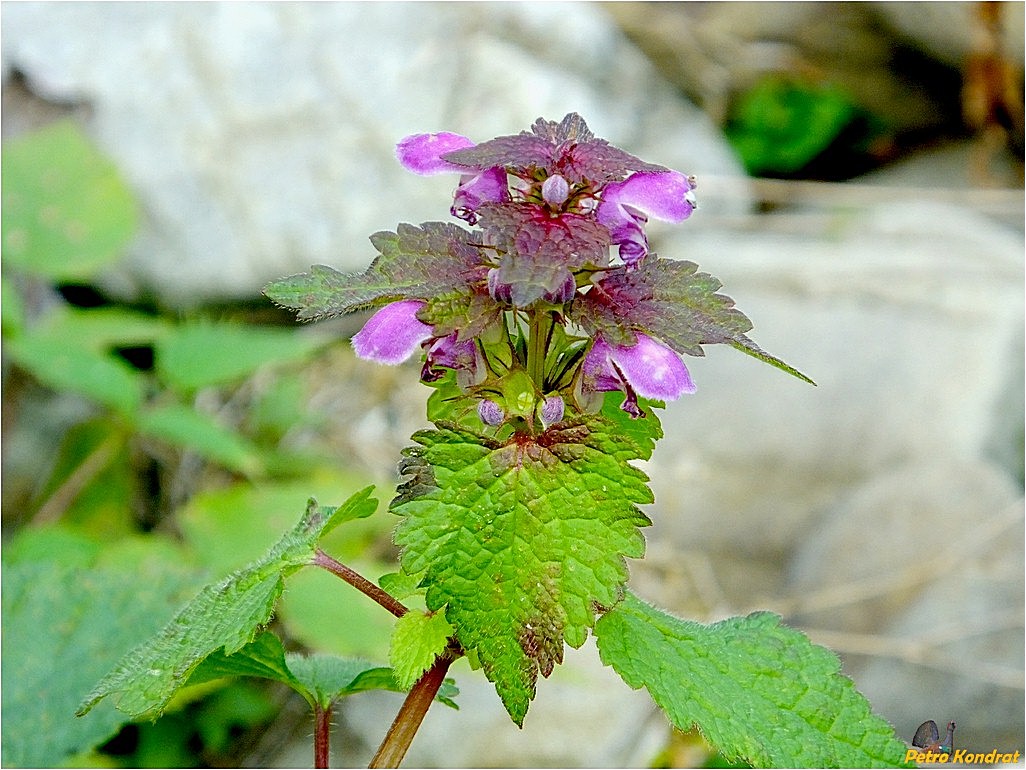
(550, 204)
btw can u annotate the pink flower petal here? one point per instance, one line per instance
(421, 153)
(653, 370)
(662, 194)
(649, 367)
(392, 334)
(490, 186)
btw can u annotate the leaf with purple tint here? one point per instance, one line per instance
(433, 260)
(568, 148)
(670, 300)
(540, 251)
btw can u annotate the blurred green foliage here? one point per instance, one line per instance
(785, 127)
(152, 487)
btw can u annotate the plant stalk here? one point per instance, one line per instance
(540, 331)
(322, 735)
(359, 582)
(400, 735)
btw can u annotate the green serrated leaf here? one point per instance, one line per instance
(757, 690)
(203, 354)
(434, 260)
(103, 378)
(186, 428)
(66, 211)
(399, 584)
(522, 540)
(225, 615)
(329, 677)
(643, 432)
(264, 657)
(747, 346)
(417, 640)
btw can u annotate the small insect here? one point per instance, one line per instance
(928, 738)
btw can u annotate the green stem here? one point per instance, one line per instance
(537, 346)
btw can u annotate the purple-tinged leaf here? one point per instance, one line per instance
(747, 346)
(567, 148)
(571, 128)
(539, 251)
(672, 301)
(432, 260)
(665, 298)
(468, 314)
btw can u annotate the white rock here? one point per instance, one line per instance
(260, 137)
(906, 314)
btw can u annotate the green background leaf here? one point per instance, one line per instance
(189, 429)
(521, 541)
(781, 125)
(102, 378)
(229, 527)
(66, 211)
(757, 690)
(65, 614)
(201, 354)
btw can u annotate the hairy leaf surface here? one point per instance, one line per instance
(540, 251)
(568, 148)
(223, 616)
(320, 679)
(673, 301)
(521, 541)
(436, 259)
(417, 640)
(757, 690)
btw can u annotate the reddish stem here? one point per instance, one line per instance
(322, 735)
(360, 583)
(400, 735)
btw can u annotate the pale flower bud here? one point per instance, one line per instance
(490, 412)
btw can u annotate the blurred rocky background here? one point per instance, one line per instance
(861, 197)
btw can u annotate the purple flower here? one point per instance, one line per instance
(626, 206)
(421, 154)
(392, 334)
(490, 186)
(648, 369)
(451, 353)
